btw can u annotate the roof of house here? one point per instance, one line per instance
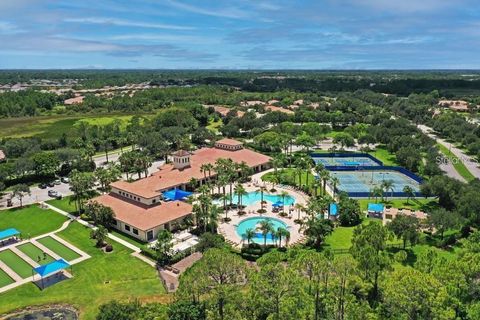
(168, 176)
(229, 142)
(224, 111)
(144, 217)
(180, 153)
(395, 211)
(75, 100)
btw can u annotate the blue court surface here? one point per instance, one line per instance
(365, 181)
(344, 161)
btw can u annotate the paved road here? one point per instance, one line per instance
(469, 162)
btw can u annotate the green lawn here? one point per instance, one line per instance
(35, 253)
(413, 204)
(59, 248)
(4, 278)
(104, 277)
(63, 204)
(31, 221)
(385, 156)
(457, 163)
(17, 264)
(215, 125)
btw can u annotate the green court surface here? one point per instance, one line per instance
(17, 264)
(4, 278)
(59, 248)
(34, 252)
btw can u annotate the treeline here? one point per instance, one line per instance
(27, 103)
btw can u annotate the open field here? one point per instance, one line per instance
(104, 277)
(31, 221)
(17, 264)
(59, 248)
(64, 204)
(413, 204)
(385, 156)
(215, 125)
(35, 253)
(54, 126)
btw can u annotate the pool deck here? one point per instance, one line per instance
(228, 230)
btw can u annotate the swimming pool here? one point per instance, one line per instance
(253, 197)
(253, 223)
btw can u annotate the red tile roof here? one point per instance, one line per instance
(180, 153)
(275, 108)
(230, 142)
(168, 177)
(143, 217)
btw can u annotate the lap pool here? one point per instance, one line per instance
(253, 197)
(254, 223)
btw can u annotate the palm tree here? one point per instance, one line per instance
(324, 176)
(213, 218)
(283, 195)
(299, 208)
(240, 192)
(249, 235)
(409, 191)
(204, 170)
(387, 185)
(193, 182)
(261, 190)
(307, 165)
(266, 227)
(335, 182)
(377, 192)
(317, 229)
(282, 233)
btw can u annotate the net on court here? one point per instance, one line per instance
(345, 161)
(365, 181)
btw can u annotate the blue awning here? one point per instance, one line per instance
(176, 194)
(51, 267)
(8, 233)
(333, 209)
(375, 207)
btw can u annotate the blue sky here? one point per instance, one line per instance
(241, 34)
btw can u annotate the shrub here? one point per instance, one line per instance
(108, 248)
(261, 210)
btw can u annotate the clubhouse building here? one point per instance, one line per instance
(141, 208)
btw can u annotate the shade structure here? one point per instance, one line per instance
(375, 207)
(8, 233)
(333, 209)
(176, 194)
(52, 267)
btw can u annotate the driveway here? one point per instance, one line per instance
(469, 162)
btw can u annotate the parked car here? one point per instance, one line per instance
(42, 186)
(65, 179)
(57, 182)
(54, 194)
(51, 184)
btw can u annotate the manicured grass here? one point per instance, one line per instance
(56, 125)
(59, 248)
(17, 264)
(385, 156)
(5, 278)
(457, 163)
(104, 277)
(34, 253)
(412, 204)
(129, 239)
(64, 204)
(31, 221)
(215, 125)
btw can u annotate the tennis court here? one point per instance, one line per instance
(344, 161)
(365, 181)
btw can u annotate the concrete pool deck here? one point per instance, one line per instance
(228, 230)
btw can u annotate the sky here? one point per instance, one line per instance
(240, 34)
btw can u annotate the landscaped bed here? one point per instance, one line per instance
(17, 264)
(59, 248)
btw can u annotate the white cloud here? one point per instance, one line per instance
(126, 23)
(233, 13)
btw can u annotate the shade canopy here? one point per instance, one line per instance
(52, 267)
(375, 207)
(8, 233)
(176, 194)
(333, 209)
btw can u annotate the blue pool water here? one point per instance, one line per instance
(252, 223)
(253, 197)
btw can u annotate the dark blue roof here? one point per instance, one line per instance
(375, 207)
(51, 267)
(176, 194)
(8, 233)
(333, 209)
